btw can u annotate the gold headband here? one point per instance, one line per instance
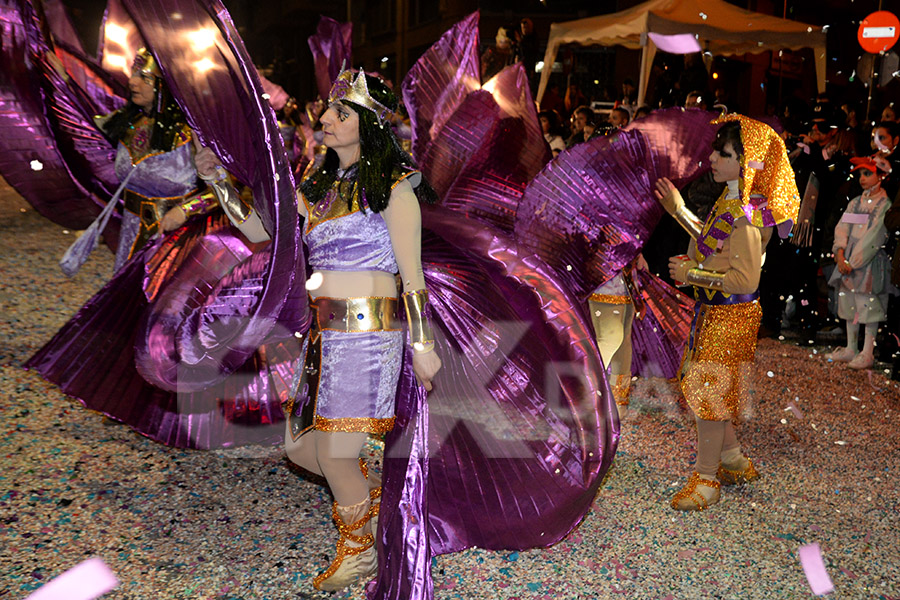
(356, 91)
(146, 63)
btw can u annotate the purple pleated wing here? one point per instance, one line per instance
(214, 81)
(119, 42)
(679, 140)
(660, 331)
(590, 210)
(332, 49)
(519, 429)
(440, 81)
(42, 135)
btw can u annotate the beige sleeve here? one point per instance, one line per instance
(404, 222)
(744, 260)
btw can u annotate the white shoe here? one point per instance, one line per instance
(863, 360)
(845, 354)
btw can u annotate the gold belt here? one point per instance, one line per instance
(150, 210)
(357, 315)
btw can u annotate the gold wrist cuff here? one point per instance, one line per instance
(706, 279)
(420, 333)
(199, 205)
(688, 221)
(231, 202)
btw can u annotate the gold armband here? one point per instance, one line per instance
(420, 333)
(688, 221)
(231, 202)
(706, 279)
(199, 204)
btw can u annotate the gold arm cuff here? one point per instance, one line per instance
(419, 327)
(230, 201)
(688, 221)
(200, 204)
(706, 279)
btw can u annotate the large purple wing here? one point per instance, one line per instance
(679, 140)
(660, 332)
(44, 132)
(211, 75)
(520, 424)
(439, 82)
(590, 210)
(332, 49)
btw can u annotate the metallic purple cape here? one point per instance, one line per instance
(660, 332)
(332, 49)
(92, 358)
(217, 86)
(43, 118)
(510, 447)
(197, 311)
(520, 425)
(440, 81)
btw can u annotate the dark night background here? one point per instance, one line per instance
(276, 31)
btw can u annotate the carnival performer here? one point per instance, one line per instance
(723, 265)
(154, 140)
(363, 225)
(96, 356)
(863, 269)
(612, 312)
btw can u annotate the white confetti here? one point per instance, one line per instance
(37, 165)
(841, 443)
(768, 373)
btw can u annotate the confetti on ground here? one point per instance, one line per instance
(240, 524)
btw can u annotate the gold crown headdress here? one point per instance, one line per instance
(144, 62)
(356, 91)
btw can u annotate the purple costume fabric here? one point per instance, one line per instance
(332, 49)
(188, 313)
(521, 424)
(50, 151)
(356, 242)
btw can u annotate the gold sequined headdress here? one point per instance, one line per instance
(768, 188)
(356, 91)
(144, 62)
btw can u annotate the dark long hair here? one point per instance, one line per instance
(168, 119)
(380, 154)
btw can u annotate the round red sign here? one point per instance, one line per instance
(878, 32)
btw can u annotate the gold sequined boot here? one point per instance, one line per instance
(621, 390)
(373, 478)
(355, 555)
(741, 470)
(691, 498)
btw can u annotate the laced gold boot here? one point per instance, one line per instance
(355, 556)
(690, 498)
(737, 472)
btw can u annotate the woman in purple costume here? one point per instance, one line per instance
(155, 157)
(362, 225)
(97, 356)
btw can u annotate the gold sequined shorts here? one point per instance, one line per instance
(718, 361)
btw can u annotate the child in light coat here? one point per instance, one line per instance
(863, 272)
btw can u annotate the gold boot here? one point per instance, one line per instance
(621, 390)
(737, 472)
(689, 498)
(355, 555)
(374, 481)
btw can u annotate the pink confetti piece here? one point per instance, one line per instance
(86, 581)
(796, 411)
(814, 568)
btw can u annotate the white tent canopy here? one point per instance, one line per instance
(720, 28)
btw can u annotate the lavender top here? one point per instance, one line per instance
(339, 239)
(164, 175)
